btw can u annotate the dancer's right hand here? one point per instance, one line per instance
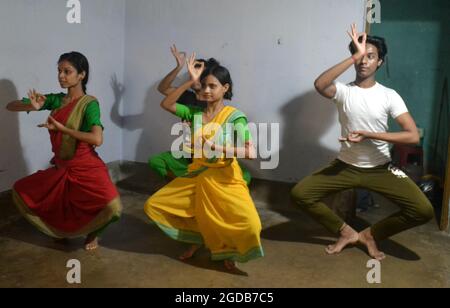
(354, 137)
(37, 99)
(180, 57)
(360, 46)
(195, 68)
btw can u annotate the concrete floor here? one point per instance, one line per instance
(134, 253)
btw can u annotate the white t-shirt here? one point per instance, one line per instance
(367, 110)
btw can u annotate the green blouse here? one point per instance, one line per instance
(241, 125)
(91, 115)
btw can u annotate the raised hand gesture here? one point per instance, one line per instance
(195, 68)
(360, 46)
(180, 57)
(117, 87)
(37, 99)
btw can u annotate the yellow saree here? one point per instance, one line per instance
(211, 205)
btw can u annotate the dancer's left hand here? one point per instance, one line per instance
(355, 137)
(52, 125)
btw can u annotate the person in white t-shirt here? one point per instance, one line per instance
(364, 160)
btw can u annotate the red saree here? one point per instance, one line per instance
(73, 198)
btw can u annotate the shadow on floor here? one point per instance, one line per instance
(136, 235)
(303, 229)
(129, 234)
(22, 231)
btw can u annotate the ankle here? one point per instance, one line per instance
(366, 235)
(346, 230)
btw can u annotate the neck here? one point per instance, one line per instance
(75, 92)
(214, 107)
(366, 82)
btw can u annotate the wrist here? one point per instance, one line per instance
(355, 57)
(369, 135)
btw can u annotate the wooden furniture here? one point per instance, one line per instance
(446, 199)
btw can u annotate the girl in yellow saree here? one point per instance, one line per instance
(211, 203)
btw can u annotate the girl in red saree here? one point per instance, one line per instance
(76, 196)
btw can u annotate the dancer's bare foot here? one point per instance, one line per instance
(189, 253)
(366, 238)
(91, 242)
(230, 265)
(348, 237)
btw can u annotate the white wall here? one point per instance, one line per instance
(33, 34)
(274, 50)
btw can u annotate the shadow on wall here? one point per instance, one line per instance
(306, 119)
(152, 119)
(12, 163)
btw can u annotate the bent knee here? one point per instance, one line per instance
(423, 213)
(427, 213)
(301, 195)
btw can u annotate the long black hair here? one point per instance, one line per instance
(79, 62)
(222, 74)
